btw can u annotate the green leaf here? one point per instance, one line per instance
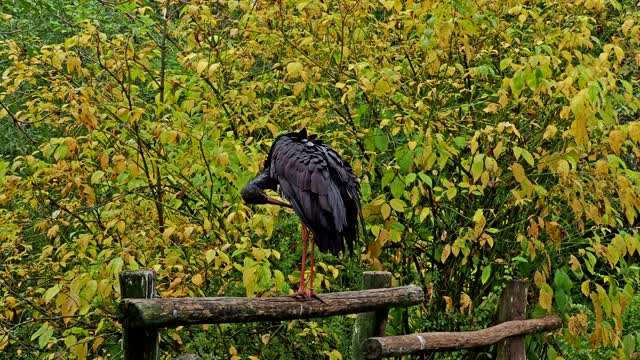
(562, 281)
(477, 166)
(629, 344)
(486, 272)
(517, 83)
(404, 158)
(397, 187)
(61, 151)
(387, 177)
(563, 300)
(52, 292)
(209, 255)
(460, 142)
(39, 332)
(426, 179)
(381, 140)
(44, 336)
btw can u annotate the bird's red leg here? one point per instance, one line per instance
(301, 294)
(312, 292)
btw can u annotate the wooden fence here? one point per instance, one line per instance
(143, 313)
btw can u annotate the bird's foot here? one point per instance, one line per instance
(313, 295)
(302, 295)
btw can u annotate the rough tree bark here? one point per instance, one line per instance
(139, 343)
(157, 313)
(380, 347)
(370, 323)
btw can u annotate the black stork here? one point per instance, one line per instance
(320, 187)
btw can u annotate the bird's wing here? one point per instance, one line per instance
(305, 173)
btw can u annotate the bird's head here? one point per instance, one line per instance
(254, 191)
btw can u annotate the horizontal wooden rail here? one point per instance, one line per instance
(157, 312)
(381, 347)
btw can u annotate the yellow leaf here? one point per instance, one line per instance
(575, 263)
(518, 172)
(121, 227)
(446, 251)
(53, 231)
(634, 131)
(80, 350)
(633, 244)
(578, 324)
(294, 69)
(397, 205)
(385, 210)
(207, 226)
(549, 132)
(233, 351)
(626, 26)
(546, 297)
(619, 53)
(465, 302)
(382, 88)
(479, 223)
(491, 108)
(57, 58)
(584, 287)
(538, 278)
(168, 232)
(188, 231)
(449, 303)
(202, 64)
(213, 69)
(298, 88)
(197, 280)
(563, 169)
(104, 161)
(616, 139)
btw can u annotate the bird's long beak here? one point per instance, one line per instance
(273, 201)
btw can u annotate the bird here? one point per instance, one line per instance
(322, 190)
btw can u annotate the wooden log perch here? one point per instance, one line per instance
(381, 347)
(157, 313)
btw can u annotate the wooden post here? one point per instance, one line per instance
(513, 306)
(139, 342)
(371, 323)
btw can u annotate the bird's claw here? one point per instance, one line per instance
(313, 295)
(302, 295)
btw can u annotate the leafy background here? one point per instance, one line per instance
(493, 139)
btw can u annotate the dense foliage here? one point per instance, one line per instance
(493, 139)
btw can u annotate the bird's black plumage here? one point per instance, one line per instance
(319, 184)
